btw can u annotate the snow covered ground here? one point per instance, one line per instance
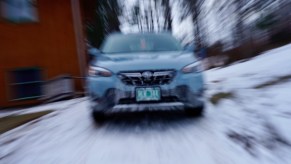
(51, 106)
(251, 127)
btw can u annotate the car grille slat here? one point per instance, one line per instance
(160, 77)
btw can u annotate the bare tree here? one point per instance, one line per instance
(110, 10)
(147, 15)
(194, 8)
(151, 7)
(167, 15)
(157, 14)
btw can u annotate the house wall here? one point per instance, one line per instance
(49, 44)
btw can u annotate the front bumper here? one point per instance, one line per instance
(108, 94)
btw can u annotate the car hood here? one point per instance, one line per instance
(144, 61)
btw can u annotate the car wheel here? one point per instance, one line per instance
(99, 117)
(197, 111)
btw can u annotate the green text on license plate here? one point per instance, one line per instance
(148, 94)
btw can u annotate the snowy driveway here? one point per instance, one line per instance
(71, 137)
(251, 127)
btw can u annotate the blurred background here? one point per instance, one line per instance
(45, 45)
(244, 46)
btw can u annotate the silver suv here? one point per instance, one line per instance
(136, 72)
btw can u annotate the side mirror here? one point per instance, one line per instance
(94, 52)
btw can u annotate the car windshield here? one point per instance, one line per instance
(119, 43)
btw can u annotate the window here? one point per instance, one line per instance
(25, 83)
(19, 11)
(119, 43)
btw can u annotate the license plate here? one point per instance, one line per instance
(148, 94)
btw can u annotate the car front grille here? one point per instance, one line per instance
(146, 78)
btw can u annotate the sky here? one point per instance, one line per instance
(184, 30)
(180, 30)
(215, 27)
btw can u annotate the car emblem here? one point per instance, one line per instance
(147, 75)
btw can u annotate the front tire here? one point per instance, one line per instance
(197, 111)
(99, 117)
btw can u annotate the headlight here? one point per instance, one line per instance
(194, 67)
(98, 71)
